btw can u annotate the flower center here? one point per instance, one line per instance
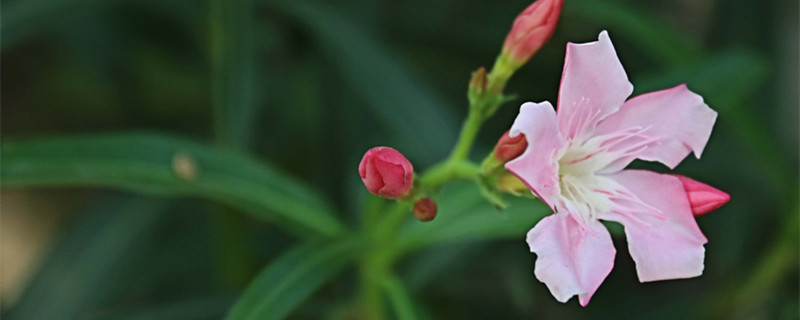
(582, 190)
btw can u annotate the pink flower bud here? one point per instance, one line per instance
(508, 148)
(425, 209)
(531, 30)
(386, 172)
(702, 197)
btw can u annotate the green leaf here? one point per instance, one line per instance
(207, 307)
(23, 19)
(77, 273)
(466, 217)
(410, 109)
(400, 299)
(233, 70)
(657, 39)
(146, 163)
(292, 278)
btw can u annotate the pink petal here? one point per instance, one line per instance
(571, 260)
(677, 119)
(666, 245)
(593, 86)
(537, 167)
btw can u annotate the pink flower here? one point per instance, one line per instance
(531, 30)
(702, 197)
(386, 172)
(575, 161)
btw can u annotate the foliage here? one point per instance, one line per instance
(279, 98)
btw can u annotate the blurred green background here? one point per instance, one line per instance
(158, 154)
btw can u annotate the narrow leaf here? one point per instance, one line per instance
(232, 70)
(165, 165)
(409, 109)
(293, 277)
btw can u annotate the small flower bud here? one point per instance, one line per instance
(508, 148)
(531, 30)
(477, 83)
(702, 197)
(386, 172)
(509, 183)
(425, 209)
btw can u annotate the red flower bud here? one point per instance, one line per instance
(508, 148)
(386, 172)
(531, 30)
(425, 209)
(702, 197)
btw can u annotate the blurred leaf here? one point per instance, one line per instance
(660, 41)
(466, 217)
(78, 271)
(410, 110)
(157, 164)
(292, 278)
(24, 19)
(399, 298)
(212, 307)
(233, 70)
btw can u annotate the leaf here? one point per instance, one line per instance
(233, 70)
(410, 110)
(464, 216)
(23, 20)
(657, 39)
(292, 278)
(207, 307)
(399, 298)
(77, 273)
(156, 164)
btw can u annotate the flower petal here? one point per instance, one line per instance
(676, 120)
(668, 245)
(593, 86)
(571, 260)
(537, 167)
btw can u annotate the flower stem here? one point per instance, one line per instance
(379, 231)
(469, 131)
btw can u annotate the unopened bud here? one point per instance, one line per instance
(508, 147)
(702, 197)
(425, 209)
(477, 83)
(531, 30)
(509, 183)
(386, 172)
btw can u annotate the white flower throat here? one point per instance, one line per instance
(584, 190)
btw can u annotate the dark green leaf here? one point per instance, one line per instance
(233, 70)
(411, 111)
(661, 42)
(147, 163)
(292, 278)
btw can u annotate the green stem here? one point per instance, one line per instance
(378, 260)
(379, 232)
(445, 172)
(469, 131)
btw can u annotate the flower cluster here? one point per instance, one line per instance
(574, 160)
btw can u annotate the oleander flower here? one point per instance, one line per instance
(574, 162)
